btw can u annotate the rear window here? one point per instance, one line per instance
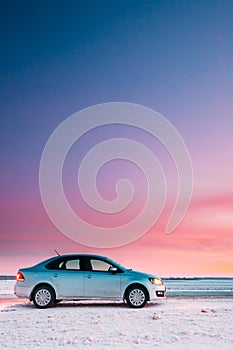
(55, 264)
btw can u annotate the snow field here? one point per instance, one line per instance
(177, 323)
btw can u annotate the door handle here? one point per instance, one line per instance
(88, 276)
(55, 275)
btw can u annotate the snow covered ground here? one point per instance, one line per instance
(203, 286)
(178, 323)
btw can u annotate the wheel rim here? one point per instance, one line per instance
(43, 297)
(137, 297)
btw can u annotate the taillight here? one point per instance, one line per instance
(20, 277)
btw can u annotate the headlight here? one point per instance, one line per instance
(156, 281)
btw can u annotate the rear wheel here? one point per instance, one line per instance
(43, 297)
(136, 297)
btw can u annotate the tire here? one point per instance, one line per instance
(43, 297)
(136, 297)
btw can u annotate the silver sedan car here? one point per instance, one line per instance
(84, 277)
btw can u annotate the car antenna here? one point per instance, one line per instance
(56, 252)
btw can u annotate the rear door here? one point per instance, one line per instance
(68, 279)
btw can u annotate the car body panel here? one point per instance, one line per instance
(86, 283)
(68, 284)
(102, 285)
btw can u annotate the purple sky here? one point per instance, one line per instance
(173, 56)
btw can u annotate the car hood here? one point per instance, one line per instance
(140, 274)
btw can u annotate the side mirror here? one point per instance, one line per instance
(112, 269)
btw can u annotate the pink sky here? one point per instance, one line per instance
(201, 245)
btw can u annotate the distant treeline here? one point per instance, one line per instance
(7, 277)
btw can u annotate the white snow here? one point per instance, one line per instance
(177, 323)
(7, 288)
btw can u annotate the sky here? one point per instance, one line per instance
(175, 57)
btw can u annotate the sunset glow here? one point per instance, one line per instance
(167, 58)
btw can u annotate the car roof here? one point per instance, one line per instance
(70, 256)
(81, 255)
(47, 261)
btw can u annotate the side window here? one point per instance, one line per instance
(72, 264)
(99, 265)
(64, 264)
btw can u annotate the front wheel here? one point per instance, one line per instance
(136, 297)
(43, 297)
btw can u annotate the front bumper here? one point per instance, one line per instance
(160, 293)
(157, 292)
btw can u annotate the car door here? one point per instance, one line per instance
(100, 283)
(68, 279)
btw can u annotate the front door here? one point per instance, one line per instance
(100, 282)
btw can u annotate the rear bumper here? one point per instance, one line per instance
(22, 291)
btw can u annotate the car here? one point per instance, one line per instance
(86, 277)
